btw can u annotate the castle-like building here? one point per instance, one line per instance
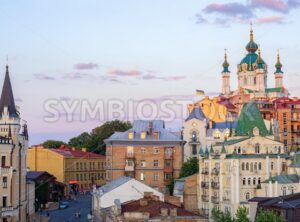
(14, 202)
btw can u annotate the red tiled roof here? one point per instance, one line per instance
(68, 152)
(153, 207)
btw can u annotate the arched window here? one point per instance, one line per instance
(243, 166)
(247, 196)
(258, 181)
(249, 181)
(194, 136)
(239, 150)
(257, 147)
(251, 167)
(279, 150)
(255, 166)
(247, 166)
(254, 181)
(283, 191)
(292, 190)
(259, 166)
(244, 181)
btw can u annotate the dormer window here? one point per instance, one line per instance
(217, 134)
(130, 135)
(156, 135)
(143, 135)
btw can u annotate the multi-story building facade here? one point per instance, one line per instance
(232, 171)
(69, 165)
(147, 152)
(13, 149)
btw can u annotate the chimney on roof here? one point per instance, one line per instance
(173, 212)
(164, 212)
(143, 202)
(150, 127)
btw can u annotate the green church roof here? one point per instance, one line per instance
(284, 179)
(270, 90)
(250, 118)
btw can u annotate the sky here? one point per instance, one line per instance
(133, 50)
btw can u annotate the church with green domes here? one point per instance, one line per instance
(252, 75)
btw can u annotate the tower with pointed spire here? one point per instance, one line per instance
(252, 70)
(13, 146)
(278, 73)
(225, 76)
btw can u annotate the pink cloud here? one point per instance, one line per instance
(119, 72)
(229, 9)
(83, 66)
(270, 19)
(77, 75)
(275, 5)
(41, 76)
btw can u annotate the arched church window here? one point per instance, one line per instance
(283, 191)
(255, 166)
(254, 181)
(251, 167)
(247, 196)
(247, 166)
(249, 181)
(257, 148)
(258, 181)
(194, 136)
(243, 166)
(244, 181)
(239, 150)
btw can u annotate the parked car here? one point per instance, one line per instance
(63, 205)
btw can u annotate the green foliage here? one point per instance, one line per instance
(94, 141)
(53, 144)
(190, 167)
(267, 215)
(219, 216)
(83, 140)
(170, 186)
(241, 215)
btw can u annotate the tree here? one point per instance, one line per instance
(190, 167)
(95, 140)
(268, 215)
(219, 216)
(53, 144)
(171, 186)
(83, 140)
(241, 215)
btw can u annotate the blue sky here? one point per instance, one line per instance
(134, 49)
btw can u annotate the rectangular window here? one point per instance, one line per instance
(155, 163)
(143, 150)
(155, 150)
(4, 180)
(155, 177)
(4, 201)
(130, 135)
(130, 163)
(142, 176)
(143, 163)
(168, 176)
(3, 161)
(168, 163)
(143, 135)
(194, 149)
(284, 118)
(285, 131)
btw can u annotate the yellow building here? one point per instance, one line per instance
(69, 165)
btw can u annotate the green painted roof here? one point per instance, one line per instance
(284, 179)
(250, 59)
(278, 89)
(250, 118)
(256, 156)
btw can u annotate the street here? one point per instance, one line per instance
(83, 205)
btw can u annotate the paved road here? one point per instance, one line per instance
(83, 205)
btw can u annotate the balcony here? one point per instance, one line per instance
(204, 170)
(168, 169)
(204, 184)
(215, 171)
(215, 200)
(204, 197)
(8, 211)
(226, 199)
(204, 212)
(130, 155)
(129, 168)
(215, 185)
(6, 170)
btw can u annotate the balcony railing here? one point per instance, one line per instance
(215, 185)
(204, 170)
(204, 184)
(226, 199)
(5, 170)
(129, 168)
(129, 155)
(215, 199)
(204, 212)
(204, 197)
(215, 171)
